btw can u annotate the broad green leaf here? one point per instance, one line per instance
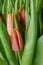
(31, 38)
(2, 60)
(38, 60)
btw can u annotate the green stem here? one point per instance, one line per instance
(19, 57)
(16, 8)
(38, 4)
(20, 2)
(13, 3)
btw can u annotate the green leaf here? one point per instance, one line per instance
(7, 8)
(38, 60)
(2, 50)
(2, 60)
(13, 3)
(38, 4)
(27, 20)
(31, 38)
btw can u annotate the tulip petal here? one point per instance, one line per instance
(14, 43)
(20, 41)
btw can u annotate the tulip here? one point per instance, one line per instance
(2, 17)
(21, 17)
(9, 24)
(16, 40)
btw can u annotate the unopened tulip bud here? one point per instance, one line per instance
(16, 40)
(9, 24)
(2, 17)
(21, 17)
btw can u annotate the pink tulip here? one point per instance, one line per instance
(16, 40)
(9, 24)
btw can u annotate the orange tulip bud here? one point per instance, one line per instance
(2, 17)
(21, 17)
(9, 24)
(16, 40)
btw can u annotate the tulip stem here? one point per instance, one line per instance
(19, 57)
(20, 2)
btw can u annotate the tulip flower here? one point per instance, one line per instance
(2, 17)
(16, 40)
(9, 24)
(21, 17)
